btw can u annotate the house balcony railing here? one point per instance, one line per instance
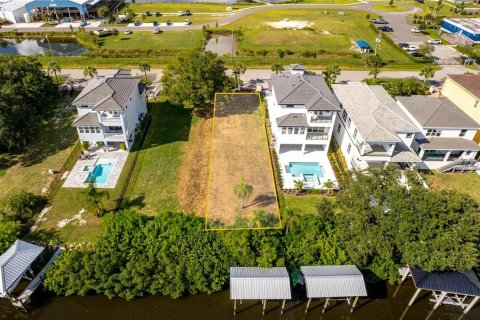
(110, 119)
(317, 136)
(321, 120)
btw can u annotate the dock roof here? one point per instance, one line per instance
(465, 283)
(252, 283)
(333, 281)
(15, 262)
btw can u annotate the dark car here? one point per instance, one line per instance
(403, 45)
(416, 54)
(155, 23)
(148, 14)
(168, 23)
(379, 21)
(187, 12)
(157, 14)
(386, 29)
(136, 23)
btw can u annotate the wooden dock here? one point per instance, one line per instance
(35, 283)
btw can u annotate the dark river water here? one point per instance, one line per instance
(40, 47)
(218, 306)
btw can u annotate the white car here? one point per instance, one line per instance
(434, 41)
(229, 8)
(180, 13)
(411, 48)
(156, 30)
(128, 31)
(186, 22)
(416, 30)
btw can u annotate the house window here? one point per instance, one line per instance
(290, 130)
(317, 129)
(339, 128)
(302, 130)
(284, 130)
(433, 133)
(476, 103)
(349, 148)
(349, 122)
(87, 130)
(463, 132)
(289, 105)
(467, 153)
(355, 133)
(80, 129)
(297, 130)
(409, 135)
(97, 129)
(344, 115)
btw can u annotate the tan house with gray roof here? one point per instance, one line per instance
(110, 109)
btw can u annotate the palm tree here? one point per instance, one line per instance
(374, 63)
(427, 72)
(94, 197)
(243, 190)
(298, 184)
(90, 72)
(277, 68)
(238, 70)
(54, 68)
(144, 67)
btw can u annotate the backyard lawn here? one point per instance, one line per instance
(303, 204)
(325, 33)
(173, 8)
(143, 41)
(28, 170)
(464, 182)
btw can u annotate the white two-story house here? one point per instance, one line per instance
(110, 109)
(371, 128)
(445, 134)
(302, 111)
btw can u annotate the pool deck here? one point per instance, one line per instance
(76, 178)
(298, 156)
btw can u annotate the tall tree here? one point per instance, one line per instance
(426, 49)
(103, 12)
(427, 72)
(144, 67)
(95, 198)
(331, 74)
(277, 68)
(54, 67)
(238, 70)
(90, 72)
(374, 63)
(243, 190)
(9, 232)
(194, 77)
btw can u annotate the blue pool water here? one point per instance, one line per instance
(100, 174)
(305, 170)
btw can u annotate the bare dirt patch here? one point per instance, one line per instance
(193, 175)
(240, 151)
(289, 24)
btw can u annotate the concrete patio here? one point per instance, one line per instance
(77, 177)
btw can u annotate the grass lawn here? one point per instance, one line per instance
(302, 204)
(464, 182)
(173, 8)
(330, 34)
(194, 19)
(143, 41)
(394, 8)
(326, 2)
(28, 169)
(154, 181)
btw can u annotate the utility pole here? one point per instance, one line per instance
(377, 41)
(49, 46)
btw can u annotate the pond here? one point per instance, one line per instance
(31, 47)
(384, 306)
(221, 45)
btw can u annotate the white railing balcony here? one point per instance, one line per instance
(320, 119)
(110, 119)
(317, 136)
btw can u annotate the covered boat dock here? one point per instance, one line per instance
(460, 289)
(342, 282)
(252, 283)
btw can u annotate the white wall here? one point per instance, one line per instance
(13, 16)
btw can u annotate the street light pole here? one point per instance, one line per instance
(377, 41)
(49, 46)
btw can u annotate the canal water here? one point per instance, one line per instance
(219, 307)
(221, 45)
(30, 47)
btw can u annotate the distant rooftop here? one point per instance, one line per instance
(301, 89)
(375, 114)
(470, 82)
(468, 24)
(437, 112)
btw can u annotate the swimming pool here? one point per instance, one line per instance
(101, 171)
(305, 170)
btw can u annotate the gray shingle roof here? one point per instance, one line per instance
(403, 154)
(252, 283)
(292, 120)
(111, 93)
(375, 114)
(89, 119)
(333, 281)
(14, 262)
(453, 282)
(439, 143)
(434, 112)
(308, 90)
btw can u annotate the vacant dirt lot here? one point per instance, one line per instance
(240, 150)
(192, 187)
